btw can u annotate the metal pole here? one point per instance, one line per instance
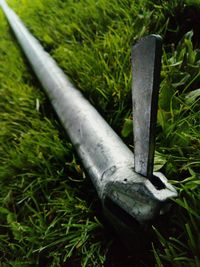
(108, 161)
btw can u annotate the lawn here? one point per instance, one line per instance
(49, 211)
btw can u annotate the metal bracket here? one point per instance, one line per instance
(146, 195)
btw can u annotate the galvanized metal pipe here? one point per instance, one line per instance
(108, 161)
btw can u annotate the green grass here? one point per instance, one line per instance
(49, 214)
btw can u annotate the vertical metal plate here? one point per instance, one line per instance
(146, 65)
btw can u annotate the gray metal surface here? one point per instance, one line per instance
(108, 161)
(146, 65)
